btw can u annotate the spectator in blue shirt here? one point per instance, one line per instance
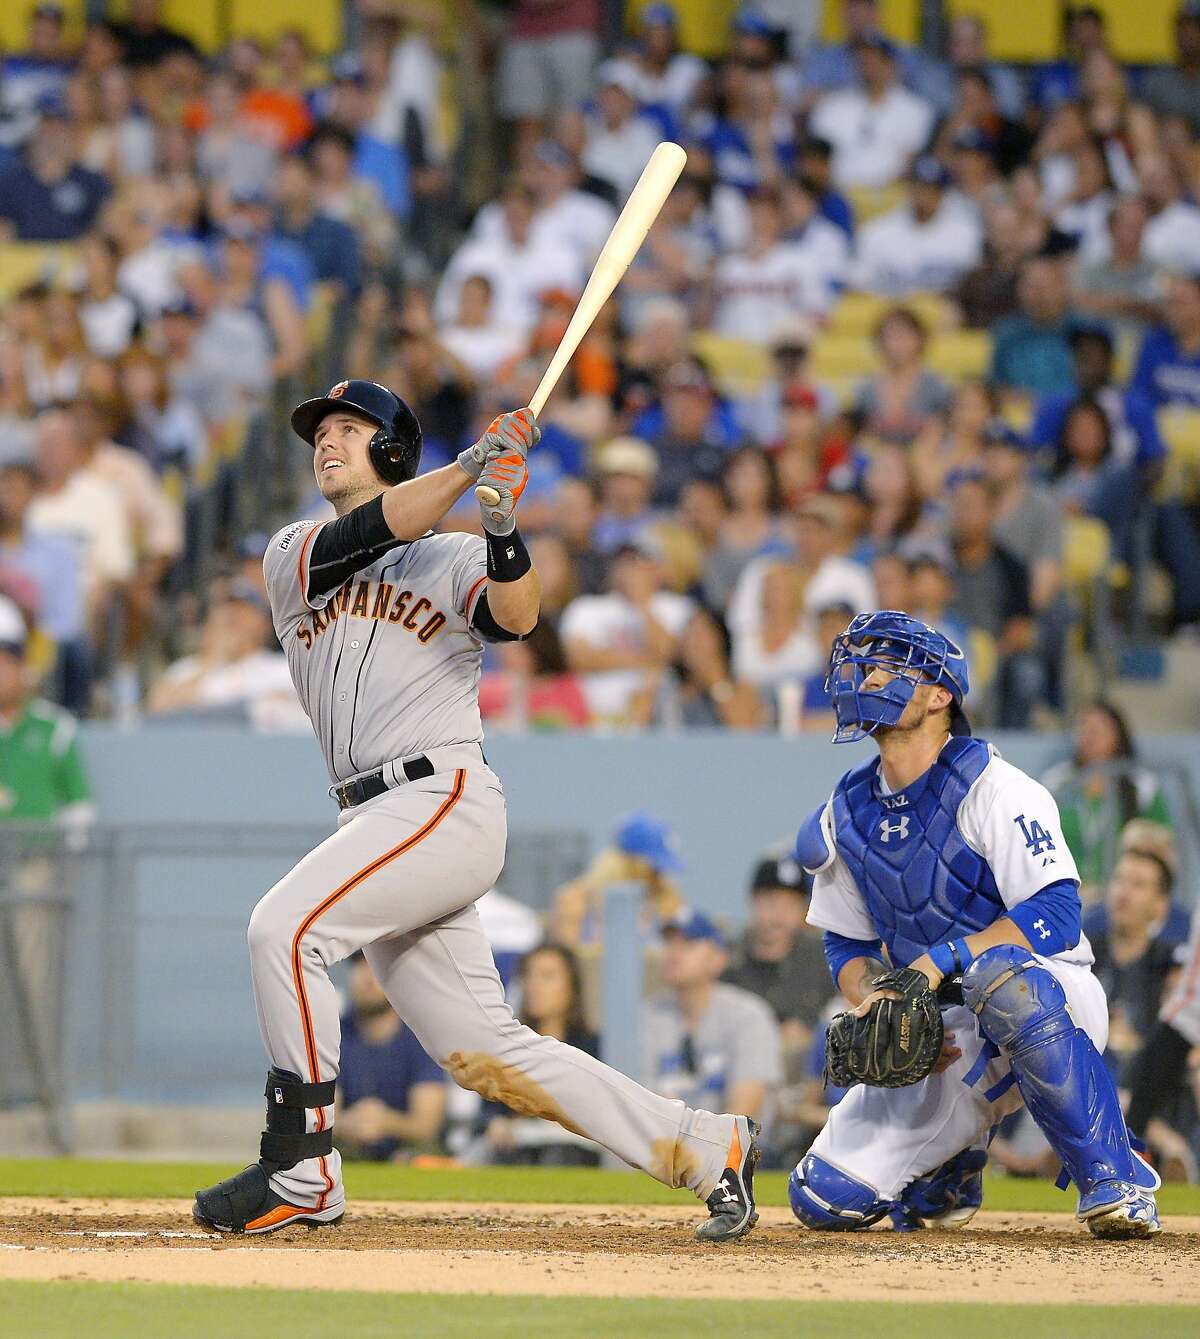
(1059, 80)
(330, 245)
(391, 1096)
(967, 49)
(279, 257)
(381, 161)
(50, 197)
(816, 166)
(1032, 350)
(1134, 431)
(832, 65)
(26, 77)
(1168, 366)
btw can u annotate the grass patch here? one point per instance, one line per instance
(70, 1177)
(156, 1311)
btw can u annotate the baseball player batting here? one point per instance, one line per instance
(383, 623)
(938, 867)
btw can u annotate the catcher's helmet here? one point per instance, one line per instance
(913, 651)
(395, 449)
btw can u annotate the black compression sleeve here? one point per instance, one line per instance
(1157, 1074)
(484, 623)
(346, 546)
(507, 557)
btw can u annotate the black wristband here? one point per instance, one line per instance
(507, 557)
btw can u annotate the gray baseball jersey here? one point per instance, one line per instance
(387, 665)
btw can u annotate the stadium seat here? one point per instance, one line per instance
(1180, 430)
(737, 366)
(15, 16)
(1143, 32)
(25, 263)
(858, 313)
(901, 19)
(836, 356)
(319, 20)
(1087, 553)
(983, 659)
(201, 20)
(959, 355)
(1028, 32)
(871, 201)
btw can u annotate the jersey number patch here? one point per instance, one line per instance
(1036, 837)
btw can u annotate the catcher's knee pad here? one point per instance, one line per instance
(827, 1199)
(1022, 1008)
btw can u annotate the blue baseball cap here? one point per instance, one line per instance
(661, 16)
(875, 42)
(643, 835)
(693, 924)
(930, 171)
(750, 23)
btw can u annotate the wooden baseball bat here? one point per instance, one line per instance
(641, 209)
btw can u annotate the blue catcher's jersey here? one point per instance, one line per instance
(941, 859)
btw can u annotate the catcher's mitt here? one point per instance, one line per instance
(897, 1042)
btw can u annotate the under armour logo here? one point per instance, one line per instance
(279, 1097)
(727, 1196)
(900, 828)
(1040, 927)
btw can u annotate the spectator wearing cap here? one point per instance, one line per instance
(50, 196)
(42, 69)
(875, 129)
(624, 642)
(704, 1040)
(52, 563)
(690, 431)
(566, 216)
(146, 38)
(42, 776)
(1174, 90)
(924, 245)
(1059, 81)
(391, 1097)
(625, 470)
(1031, 350)
(967, 48)
(904, 396)
(517, 264)
(771, 280)
(232, 673)
(1113, 280)
(1168, 364)
(753, 141)
(787, 409)
(546, 61)
(815, 164)
(664, 79)
(378, 160)
(1133, 430)
(779, 957)
(830, 66)
(279, 258)
(992, 595)
(644, 852)
(618, 140)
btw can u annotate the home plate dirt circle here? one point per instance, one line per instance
(590, 1250)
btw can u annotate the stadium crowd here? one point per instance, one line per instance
(913, 330)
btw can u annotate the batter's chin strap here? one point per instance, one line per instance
(285, 1141)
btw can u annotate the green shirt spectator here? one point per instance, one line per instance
(41, 772)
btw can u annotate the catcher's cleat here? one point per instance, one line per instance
(950, 1195)
(246, 1203)
(731, 1205)
(1119, 1210)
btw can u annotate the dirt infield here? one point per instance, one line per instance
(600, 1251)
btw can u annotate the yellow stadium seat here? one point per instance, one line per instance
(983, 659)
(1087, 552)
(319, 20)
(901, 19)
(1180, 430)
(1141, 32)
(15, 16)
(25, 263)
(858, 313)
(841, 357)
(871, 201)
(201, 20)
(703, 24)
(959, 355)
(1026, 31)
(737, 366)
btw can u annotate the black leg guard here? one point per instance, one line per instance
(246, 1202)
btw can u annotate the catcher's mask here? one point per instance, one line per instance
(395, 450)
(911, 651)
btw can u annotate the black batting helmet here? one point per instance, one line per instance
(395, 449)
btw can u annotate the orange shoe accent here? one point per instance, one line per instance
(310, 1045)
(280, 1214)
(734, 1158)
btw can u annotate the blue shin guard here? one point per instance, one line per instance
(1066, 1085)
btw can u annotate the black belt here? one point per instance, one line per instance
(367, 787)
